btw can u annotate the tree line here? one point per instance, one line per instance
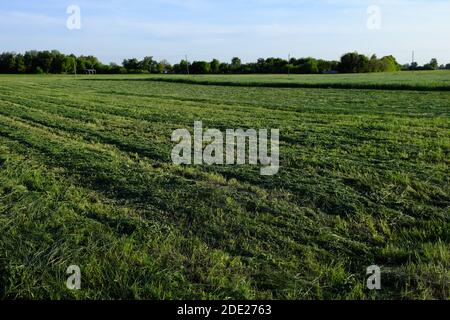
(55, 62)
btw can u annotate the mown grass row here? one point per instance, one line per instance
(206, 219)
(363, 181)
(138, 144)
(48, 223)
(396, 81)
(306, 85)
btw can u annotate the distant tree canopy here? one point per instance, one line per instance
(59, 63)
(432, 65)
(358, 63)
(200, 67)
(52, 62)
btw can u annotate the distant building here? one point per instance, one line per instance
(90, 71)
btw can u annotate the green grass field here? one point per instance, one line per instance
(417, 81)
(86, 178)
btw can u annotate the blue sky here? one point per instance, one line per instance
(206, 29)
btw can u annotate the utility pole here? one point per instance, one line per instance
(75, 66)
(289, 64)
(412, 62)
(187, 65)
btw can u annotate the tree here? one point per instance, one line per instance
(236, 64)
(57, 62)
(8, 62)
(116, 69)
(164, 66)
(131, 65)
(224, 68)
(200, 67)
(147, 64)
(30, 59)
(414, 66)
(354, 63)
(375, 64)
(308, 66)
(389, 64)
(327, 66)
(69, 64)
(182, 67)
(81, 64)
(91, 62)
(215, 66)
(20, 64)
(433, 65)
(272, 65)
(44, 61)
(260, 65)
